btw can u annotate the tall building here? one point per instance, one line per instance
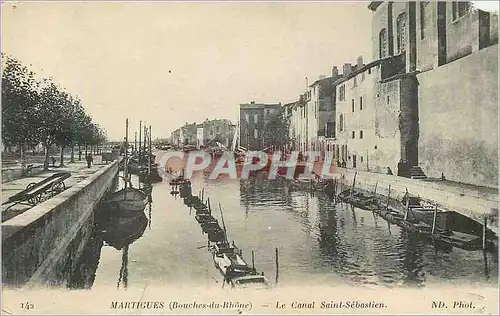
(253, 119)
(429, 100)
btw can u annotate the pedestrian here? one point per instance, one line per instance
(89, 159)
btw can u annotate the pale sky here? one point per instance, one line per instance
(116, 56)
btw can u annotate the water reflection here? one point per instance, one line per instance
(320, 242)
(358, 246)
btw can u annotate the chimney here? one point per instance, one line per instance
(347, 68)
(359, 61)
(335, 72)
(252, 102)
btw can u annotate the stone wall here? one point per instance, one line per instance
(458, 112)
(39, 245)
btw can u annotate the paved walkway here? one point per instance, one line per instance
(79, 172)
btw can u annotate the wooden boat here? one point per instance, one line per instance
(179, 180)
(204, 218)
(360, 200)
(216, 235)
(230, 263)
(129, 201)
(211, 226)
(306, 184)
(254, 282)
(121, 231)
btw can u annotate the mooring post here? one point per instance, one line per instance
(434, 219)
(485, 223)
(253, 260)
(407, 205)
(202, 194)
(388, 198)
(277, 265)
(375, 191)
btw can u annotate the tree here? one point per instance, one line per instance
(19, 101)
(276, 132)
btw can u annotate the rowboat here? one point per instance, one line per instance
(128, 201)
(254, 282)
(230, 263)
(360, 200)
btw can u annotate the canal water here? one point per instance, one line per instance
(318, 243)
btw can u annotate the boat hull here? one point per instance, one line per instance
(129, 200)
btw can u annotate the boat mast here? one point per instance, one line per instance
(125, 170)
(140, 137)
(235, 136)
(149, 154)
(223, 223)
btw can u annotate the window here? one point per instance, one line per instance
(342, 93)
(256, 118)
(382, 37)
(217, 129)
(268, 112)
(361, 103)
(361, 158)
(388, 100)
(341, 122)
(423, 4)
(255, 133)
(401, 32)
(361, 134)
(353, 134)
(352, 105)
(459, 9)
(355, 81)
(369, 71)
(375, 147)
(247, 118)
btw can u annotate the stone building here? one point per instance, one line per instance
(218, 130)
(434, 93)
(253, 119)
(185, 135)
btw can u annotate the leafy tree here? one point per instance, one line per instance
(276, 131)
(19, 101)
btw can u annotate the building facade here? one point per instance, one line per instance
(436, 79)
(253, 120)
(218, 131)
(185, 135)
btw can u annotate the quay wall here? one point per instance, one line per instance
(42, 246)
(475, 206)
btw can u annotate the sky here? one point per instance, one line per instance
(168, 63)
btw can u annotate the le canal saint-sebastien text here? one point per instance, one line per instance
(354, 304)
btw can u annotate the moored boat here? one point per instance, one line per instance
(127, 201)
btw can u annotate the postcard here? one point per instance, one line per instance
(249, 157)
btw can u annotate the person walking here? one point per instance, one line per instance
(89, 159)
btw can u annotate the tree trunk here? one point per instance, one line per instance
(23, 159)
(61, 164)
(46, 161)
(79, 155)
(72, 153)
(86, 150)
